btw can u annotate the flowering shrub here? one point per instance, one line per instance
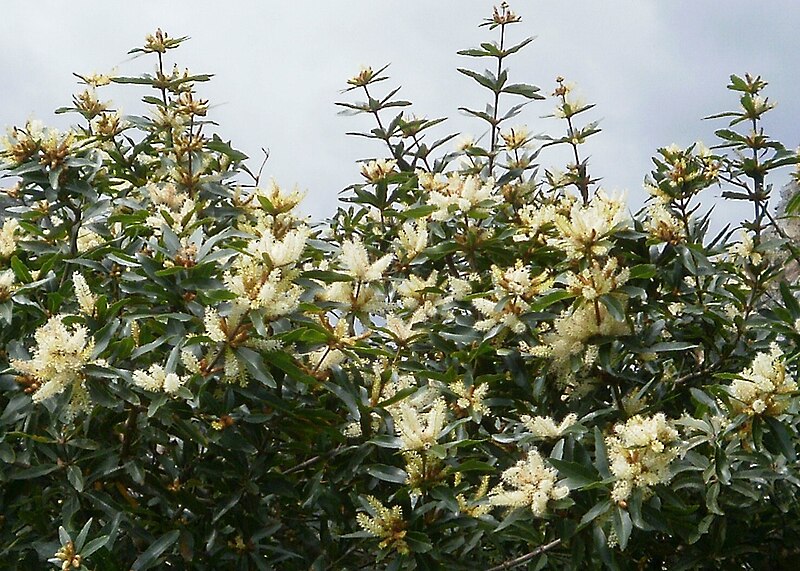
(478, 362)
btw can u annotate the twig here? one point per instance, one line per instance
(527, 557)
(128, 432)
(311, 461)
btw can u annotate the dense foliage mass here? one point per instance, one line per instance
(476, 363)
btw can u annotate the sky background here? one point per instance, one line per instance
(654, 69)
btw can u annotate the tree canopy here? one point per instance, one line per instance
(480, 361)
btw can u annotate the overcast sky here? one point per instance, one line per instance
(654, 69)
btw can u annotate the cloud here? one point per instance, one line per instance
(653, 68)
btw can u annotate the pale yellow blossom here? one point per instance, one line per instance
(640, 453)
(59, 357)
(765, 387)
(530, 484)
(386, 524)
(545, 427)
(156, 379)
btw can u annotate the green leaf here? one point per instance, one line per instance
(702, 529)
(597, 510)
(75, 477)
(286, 363)
(666, 346)
(614, 306)
(94, 545)
(81, 539)
(387, 441)
(145, 80)
(473, 465)
(7, 311)
(474, 53)
(643, 271)
(480, 114)
(418, 211)
(523, 89)
(21, 271)
(789, 300)
(600, 454)
(327, 276)
(513, 516)
(418, 542)
(738, 84)
(398, 396)
(722, 465)
(487, 80)
(623, 526)
(34, 472)
(387, 473)
(255, 366)
(519, 46)
(347, 397)
(220, 146)
(577, 475)
(711, 499)
(150, 557)
(635, 510)
(783, 440)
(549, 299)
(703, 398)
(793, 206)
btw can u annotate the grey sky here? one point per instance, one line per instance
(654, 69)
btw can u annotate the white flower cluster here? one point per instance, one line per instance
(419, 427)
(359, 295)
(156, 379)
(88, 239)
(263, 278)
(412, 238)
(597, 280)
(174, 208)
(533, 219)
(766, 387)
(387, 524)
(474, 507)
(545, 428)
(417, 296)
(514, 288)
(269, 210)
(662, 225)
(529, 483)
(35, 141)
(355, 260)
(8, 238)
(744, 251)
(86, 299)
(380, 391)
(458, 194)
(516, 137)
(376, 171)
(233, 332)
(59, 357)
(321, 360)
(586, 232)
(471, 397)
(574, 328)
(401, 330)
(640, 453)
(281, 201)
(7, 280)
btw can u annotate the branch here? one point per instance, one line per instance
(527, 557)
(128, 432)
(312, 461)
